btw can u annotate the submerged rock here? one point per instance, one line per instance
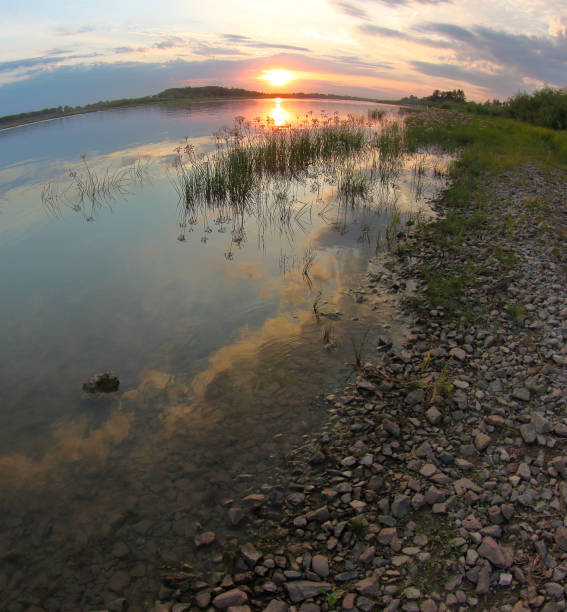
(102, 383)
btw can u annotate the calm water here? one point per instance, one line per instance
(208, 322)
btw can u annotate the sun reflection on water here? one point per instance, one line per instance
(279, 115)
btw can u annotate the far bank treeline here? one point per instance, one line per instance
(546, 107)
(176, 94)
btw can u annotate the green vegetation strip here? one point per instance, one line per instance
(486, 147)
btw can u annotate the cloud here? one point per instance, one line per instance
(84, 83)
(541, 58)
(29, 62)
(75, 31)
(255, 44)
(501, 80)
(373, 30)
(349, 9)
(394, 3)
(558, 27)
(39, 62)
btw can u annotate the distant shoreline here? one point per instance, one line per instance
(169, 96)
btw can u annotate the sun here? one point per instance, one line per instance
(278, 76)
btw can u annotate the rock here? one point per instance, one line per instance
(366, 386)
(481, 441)
(401, 506)
(428, 606)
(541, 424)
(561, 538)
(102, 383)
(120, 550)
(368, 586)
(276, 605)
(235, 515)
(483, 581)
(521, 393)
(254, 501)
(433, 415)
(458, 353)
(295, 499)
(320, 565)
(412, 593)
(375, 483)
(300, 590)
(119, 582)
(528, 433)
(234, 597)
(204, 539)
(321, 514)
(415, 397)
(202, 599)
(348, 601)
(391, 427)
(498, 556)
(250, 554)
(309, 607)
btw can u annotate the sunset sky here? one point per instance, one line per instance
(55, 53)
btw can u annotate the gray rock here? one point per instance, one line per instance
(433, 415)
(202, 599)
(235, 515)
(250, 554)
(320, 514)
(521, 393)
(528, 433)
(204, 539)
(234, 597)
(481, 441)
(300, 590)
(561, 538)
(391, 427)
(498, 556)
(415, 397)
(320, 565)
(401, 506)
(276, 605)
(458, 353)
(540, 423)
(483, 581)
(368, 586)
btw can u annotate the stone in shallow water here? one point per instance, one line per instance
(204, 539)
(235, 515)
(102, 383)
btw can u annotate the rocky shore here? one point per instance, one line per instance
(440, 479)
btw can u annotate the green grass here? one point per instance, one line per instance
(484, 147)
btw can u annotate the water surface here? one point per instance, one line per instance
(207, 321)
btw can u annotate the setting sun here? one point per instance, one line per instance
(278, 76)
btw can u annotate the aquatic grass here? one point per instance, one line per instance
(245, 159)
(90, 188)
(376, 114)
(353, 185)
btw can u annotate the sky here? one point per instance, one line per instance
(70, 53)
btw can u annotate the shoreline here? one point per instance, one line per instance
(180, 101)
(440, 480)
